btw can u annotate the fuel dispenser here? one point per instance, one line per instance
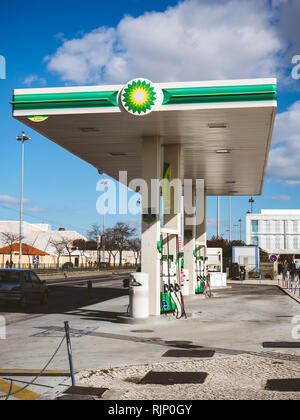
(200, 264)
(172, 279)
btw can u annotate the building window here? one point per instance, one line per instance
(255, 240)
(254, 226)
(277, 242)
(268, 226)
(268, 242)
(277, 226)
(295, 242)
(295, 226)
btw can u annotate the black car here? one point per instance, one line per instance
(68, 266)
(22, 286)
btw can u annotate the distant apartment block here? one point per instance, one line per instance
(276, 231)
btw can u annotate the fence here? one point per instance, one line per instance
(70, 267)
(290, 282)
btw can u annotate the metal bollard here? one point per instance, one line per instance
(69, 348)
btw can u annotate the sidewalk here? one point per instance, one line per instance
(234, 323)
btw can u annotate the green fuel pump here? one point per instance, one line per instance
(200, 272)
(171, 273)
(167, 303)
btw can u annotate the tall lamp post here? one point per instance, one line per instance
(251, 201)
(229, 216)
(22, 138)
(218, 217)
(240, 221)
(103, 182)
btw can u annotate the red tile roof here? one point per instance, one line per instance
(26, 250)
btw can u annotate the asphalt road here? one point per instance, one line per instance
(70, 293)
(83, 279)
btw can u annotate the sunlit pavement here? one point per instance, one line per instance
(235, 321)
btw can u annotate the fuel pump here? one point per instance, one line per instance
(171, 275)
(180, 276)
(200, 263)
(167, 304)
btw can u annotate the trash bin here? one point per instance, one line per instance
(139, 295)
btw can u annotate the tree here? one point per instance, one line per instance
(110, 245)
(27, 248)
(59, 247)
(122, 235)
(96, 235)
(9, 239)
(81, 246)
(135, 246)
(67, 243)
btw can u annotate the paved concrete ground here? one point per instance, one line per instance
(236, 321)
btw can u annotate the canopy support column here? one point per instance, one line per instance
(150, 263)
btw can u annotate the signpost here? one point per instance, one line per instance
(274, 260)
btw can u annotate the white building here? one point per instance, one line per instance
(39, 236)
(275, 231)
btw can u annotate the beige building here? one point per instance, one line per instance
(36, 236)
(38, 247)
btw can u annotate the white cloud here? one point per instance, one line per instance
(7, 199)
(83, 59)
(34, 79)
(284, 159)
(280, 197)
(35, 210)
(195, 40)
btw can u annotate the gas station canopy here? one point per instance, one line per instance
(224, 127)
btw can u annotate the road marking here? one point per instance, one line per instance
(25, 394)
(26, 372)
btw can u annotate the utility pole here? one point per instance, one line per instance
(251, 201)
(22, 139)
(103, 182)
(229, 203)
(240, 221)
(218, 217)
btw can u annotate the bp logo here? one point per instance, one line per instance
(140, 97)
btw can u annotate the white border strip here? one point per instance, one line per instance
(178, 107)
(169, 85)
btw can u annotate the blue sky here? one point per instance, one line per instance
(40, 43)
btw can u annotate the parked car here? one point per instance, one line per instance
(67, 266)
(22, 286)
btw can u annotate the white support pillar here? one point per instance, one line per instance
(190, 245)
(172, 156)
(151, 169)
(172, 200)
(201, 237)
(189, 259)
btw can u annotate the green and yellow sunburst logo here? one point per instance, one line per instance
(140, 97)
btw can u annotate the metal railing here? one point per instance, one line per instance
(67, 267)
(290, 282)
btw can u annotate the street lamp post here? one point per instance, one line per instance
(229, 215)
(240, 221)
(251, 201)
(104, 182)
(22, 139)
(218, 217)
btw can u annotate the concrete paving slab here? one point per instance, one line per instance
(237, 321)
